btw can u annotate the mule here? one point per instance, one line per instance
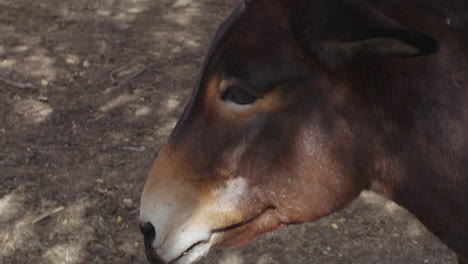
(301, 105)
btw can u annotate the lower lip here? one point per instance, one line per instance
(243, 234)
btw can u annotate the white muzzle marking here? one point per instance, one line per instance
(183, 225)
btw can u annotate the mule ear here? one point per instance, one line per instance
(374, 43)
(337, 32)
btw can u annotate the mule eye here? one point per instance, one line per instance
(238, 96)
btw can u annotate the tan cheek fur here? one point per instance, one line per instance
(217, 203)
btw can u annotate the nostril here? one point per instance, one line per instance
(147, 229)
(150, 234)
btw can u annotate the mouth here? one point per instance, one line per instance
(243, 223)
(201, 248)
(190, 255)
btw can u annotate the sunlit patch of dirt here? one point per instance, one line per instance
(17, 231)
(164, 128)
(33, 111)
(231, 257)
(11, 206)
(17, 236)
(8, 63)
(71, 223)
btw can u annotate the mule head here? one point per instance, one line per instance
(266, 140)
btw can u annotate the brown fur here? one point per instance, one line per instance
(351, 95)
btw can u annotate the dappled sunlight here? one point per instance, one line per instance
(16, 229)
(373, 199)
(127, 10)
(17, 235)
(136, 111)
(32, 111)
(142, 110)
(231, 257)
(415, 229)
(72, 219)
(104, 12)
(72, 59)
(7, 63)
(383, 207)
(182, 19)
(67, 253)
(266, 259)
(116, 137)
(164, 129)
(172, 103)
(40, 65)
(11, 205)
(182, 3)
(72, 222)
(130, 247)
(123, 12)
(183, 12)
(392, 208)
(11, 235)
(378, 203)
(20, 48)
(29, 61)
(370, 198)
(183, 39)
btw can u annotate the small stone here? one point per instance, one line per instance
(128, 202)
(43, 98)
(44, 82)
(86, 64)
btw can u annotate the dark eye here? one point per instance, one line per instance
(238, 96)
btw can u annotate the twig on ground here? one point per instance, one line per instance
(137, 149)
(116, 81)
(134, 211)
(18, 84)
(45, 215)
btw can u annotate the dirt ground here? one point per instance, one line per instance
(89, 91)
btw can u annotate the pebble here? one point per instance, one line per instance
(86, 64)
(128, 202)
(42, 98)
